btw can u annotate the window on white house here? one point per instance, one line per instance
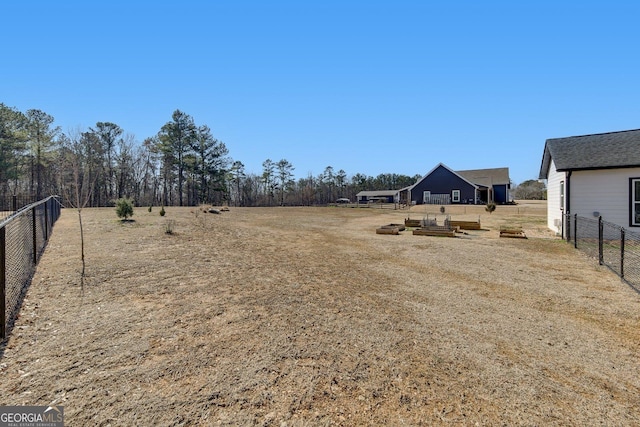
(561, 195)
(455, 196)
(635, 202)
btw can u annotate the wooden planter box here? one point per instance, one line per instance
(465, 225)
(387, 230)
(513, 232)
(412, 222)
(398, 226)
(433, 231)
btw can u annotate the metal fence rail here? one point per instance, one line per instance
(23, 237)
(11, 204)
(612, 245)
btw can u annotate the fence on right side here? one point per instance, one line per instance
(612, 245)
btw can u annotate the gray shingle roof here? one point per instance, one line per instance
(598, 151)
(486, 177)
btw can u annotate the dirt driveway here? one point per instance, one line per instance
(306, 316)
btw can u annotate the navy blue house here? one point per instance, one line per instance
(444, 186)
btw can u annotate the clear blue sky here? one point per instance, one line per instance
(366, 86)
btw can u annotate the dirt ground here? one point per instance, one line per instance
(306, 316)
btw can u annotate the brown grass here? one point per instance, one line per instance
(306, 316)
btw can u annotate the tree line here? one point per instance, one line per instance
(182, 165)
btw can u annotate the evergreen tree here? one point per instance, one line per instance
(177, 137)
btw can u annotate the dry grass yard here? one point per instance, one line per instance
(306, 316)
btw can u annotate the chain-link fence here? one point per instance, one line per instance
(612, 245)
(23, 237)
(12, 203)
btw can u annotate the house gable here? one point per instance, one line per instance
(442, 181)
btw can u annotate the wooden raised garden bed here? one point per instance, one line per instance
(465, 225)
(435, 231)
(514, 232)
(400, 227)
(412, 222)
(387, 230)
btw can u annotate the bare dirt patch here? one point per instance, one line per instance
(306, 316)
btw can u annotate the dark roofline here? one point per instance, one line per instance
(595, 151)
(597, 168)
(596, 134)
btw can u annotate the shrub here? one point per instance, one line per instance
(162, 211)
(124, 208)
(490, 207)
(149, 209)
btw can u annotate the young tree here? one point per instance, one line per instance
(77, 184)
(124, 208)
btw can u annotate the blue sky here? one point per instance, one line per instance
(366, 86)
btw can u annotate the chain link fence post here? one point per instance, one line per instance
(3, 283)
(600, 240)
(34, 236)
(622, 253)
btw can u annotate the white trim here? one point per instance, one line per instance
(635, 203)
(455, 196)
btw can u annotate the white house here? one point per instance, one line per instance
(593, 175)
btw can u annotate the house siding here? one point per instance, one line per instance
(442, 181)
(603, 191)
(500, 193)
(554, 210)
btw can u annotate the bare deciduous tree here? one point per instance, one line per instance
(77, 185)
